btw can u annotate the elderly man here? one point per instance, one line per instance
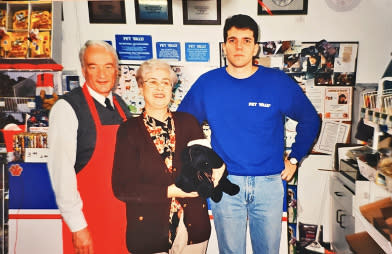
(82, 129)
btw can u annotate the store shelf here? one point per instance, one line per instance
(373, 232)
(34, 25)
(3, 215)
(370, 123)
(373, 117)
(363, 243)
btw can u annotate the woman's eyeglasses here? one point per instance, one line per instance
(154, 83)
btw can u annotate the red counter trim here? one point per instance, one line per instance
(34, 216)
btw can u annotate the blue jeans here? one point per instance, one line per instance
(260, 201)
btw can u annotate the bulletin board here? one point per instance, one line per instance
(323, 62)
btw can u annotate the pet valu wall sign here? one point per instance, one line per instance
(168, 50)
(134, 47)
(197, 52)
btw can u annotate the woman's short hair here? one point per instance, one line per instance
(103, 44)
(151, 66)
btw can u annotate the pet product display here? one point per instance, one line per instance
(20, 20)
(40, 44)
(41, 20)
(17, 44)
(26, 29)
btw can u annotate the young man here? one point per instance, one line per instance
(82, 134)
(245, 106)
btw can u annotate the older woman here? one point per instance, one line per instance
(161, 218)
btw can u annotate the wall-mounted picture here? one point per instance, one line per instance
(201, 12)
(153, 11)
(107, 12)
(282, 7)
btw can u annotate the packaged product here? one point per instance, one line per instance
(20, 19)
(41, 20)
(18, 44)
(2, 18)
(40, 44)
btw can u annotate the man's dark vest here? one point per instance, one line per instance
(86, 128)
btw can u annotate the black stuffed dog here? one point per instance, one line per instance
(198, 160)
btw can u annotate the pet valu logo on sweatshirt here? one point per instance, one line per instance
(259, 104)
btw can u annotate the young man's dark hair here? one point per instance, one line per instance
(241, 21)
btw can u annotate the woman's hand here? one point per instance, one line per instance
(174, 192)
(217, 174)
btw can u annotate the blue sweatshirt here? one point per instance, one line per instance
(247, 117)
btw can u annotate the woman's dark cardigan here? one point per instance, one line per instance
(140, 179)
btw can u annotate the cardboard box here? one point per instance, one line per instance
(379, 214)
(363, 243)
(374, 209)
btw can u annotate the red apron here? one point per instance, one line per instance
(104, 213)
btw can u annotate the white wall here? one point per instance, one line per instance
(313, 199)
(370, 23)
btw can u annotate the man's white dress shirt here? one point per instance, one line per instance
(62, 142)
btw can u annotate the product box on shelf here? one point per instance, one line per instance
(363, 243)
(379, 213)
(366, 170)
(26, 29)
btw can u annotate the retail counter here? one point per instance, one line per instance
(34, 220)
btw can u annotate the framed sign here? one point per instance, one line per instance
(134, 47)
(168, 50)
(154, 11)
(107, 12)
(282, 7)
(201, 12)
(197, 52)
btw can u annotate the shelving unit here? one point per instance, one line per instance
(377, 236)
(377, 114)
(377, 108)
(3, 219)
(28, 50)
(30, 30)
